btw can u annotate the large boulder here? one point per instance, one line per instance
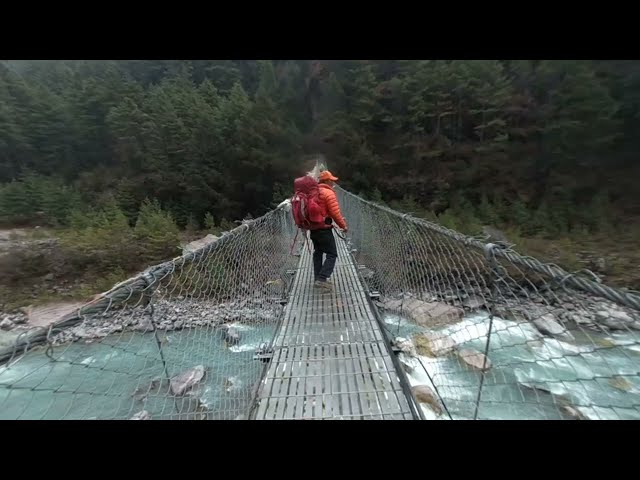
(406, 346)
(426, 314)
(573, 412)
(614, 319)
(548, 325)
(474, 359)
(180, 384)
(433, 344)
(424, 394)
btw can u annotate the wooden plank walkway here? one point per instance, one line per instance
(329, 359)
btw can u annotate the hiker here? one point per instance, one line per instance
(324, 243)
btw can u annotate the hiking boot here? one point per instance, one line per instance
(323, 285)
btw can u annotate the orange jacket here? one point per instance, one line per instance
(330, 204)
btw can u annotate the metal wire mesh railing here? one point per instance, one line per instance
(484, 332)
(175, 342)
(490, 334)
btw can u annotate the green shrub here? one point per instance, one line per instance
(156, 232)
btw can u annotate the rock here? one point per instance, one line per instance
(509, 313)
(19, 319)
(473, 302)
(433, 344)
(579, 319)
(143, 415)
(620, 383)
(198, 244)
(573, 412)
(178, 325)
(474, 358)
(144, 325)
(232, 336)
(406, 346)
(406, 366)
(621, 321)
(6, 324)
(424, 394)
(548, 326)
(82, 332)
(426, 314)
(605, 309)
(615, 319)
(186, 380)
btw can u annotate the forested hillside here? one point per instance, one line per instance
(549, 145)
(546, 147)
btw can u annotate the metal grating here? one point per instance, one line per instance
(330, 360)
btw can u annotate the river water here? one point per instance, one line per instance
(114, 378)
(597, 374)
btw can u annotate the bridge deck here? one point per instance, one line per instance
(329, 359)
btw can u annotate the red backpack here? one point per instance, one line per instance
(305, 204)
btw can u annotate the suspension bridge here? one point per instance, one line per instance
(423, 323)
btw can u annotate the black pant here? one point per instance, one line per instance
(323, 243)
